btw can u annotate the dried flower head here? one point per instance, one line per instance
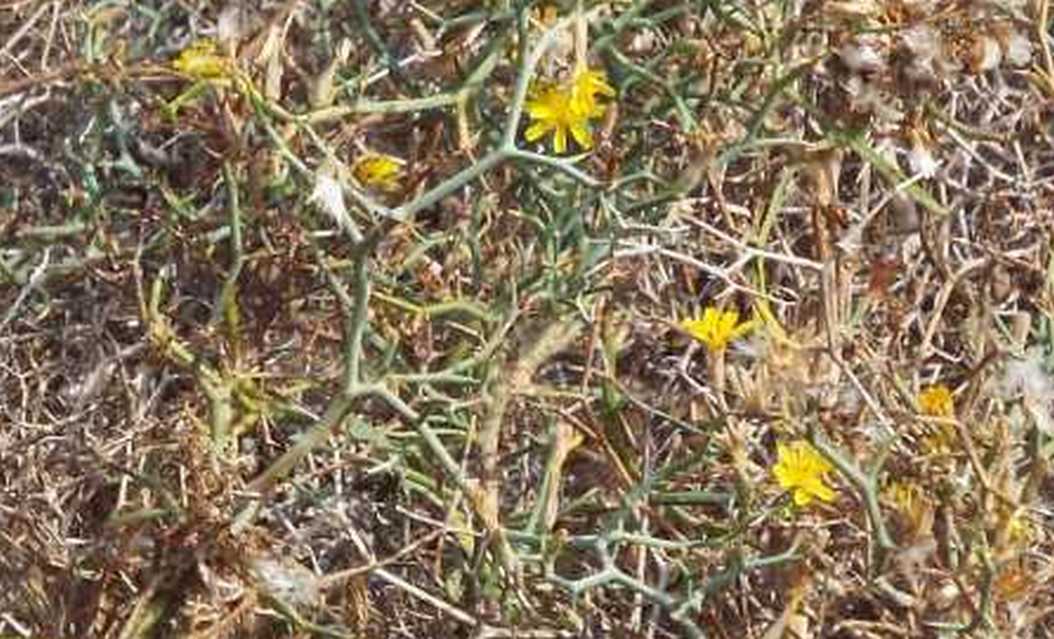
(1015, 582)
(939, 441)
(1020, 530)
(913, 507)
(904, 495)
(716, 328)
(202, 61)
(379, 171)
(801, 469)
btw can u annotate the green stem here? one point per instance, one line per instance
(449, 186)
(866, 484)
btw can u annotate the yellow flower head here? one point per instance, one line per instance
(911, 503)
(378, 171)
(716, 328)
(200, 60)
(1019, 530)
(585, 88)
(546, 15)
(801, 469)
(567, 109)
(936, 401)
(904, 495)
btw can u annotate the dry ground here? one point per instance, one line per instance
(249, 388)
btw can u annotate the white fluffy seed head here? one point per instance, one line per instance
(861, 56)
(329, 196)
(922, 41)
(1028, 379)
(286, 581)
(921, 160)
(986, 54)
(1018, 50)
(866, 97)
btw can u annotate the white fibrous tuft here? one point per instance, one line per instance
(887, 149)
(1028, 379)
(754, 347)
(921, 160)
(987, 53)
(329, 196)
(286, 581)
(922, 41)
(865, 97)
(1018, 50)
(1027, 376)
(861, 56)
(924, 44)
(233, 23)
(920, 7)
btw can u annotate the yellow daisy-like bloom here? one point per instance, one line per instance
(546, 15)
(551, 111)
(566, 109)
(378, 171)
(911, 502)
(904, 495)
(200, 60)
(801, 470)
(585, 88)
(936, 401)
(716, 328)
(1019, 530)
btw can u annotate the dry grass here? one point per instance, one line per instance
(465, 406)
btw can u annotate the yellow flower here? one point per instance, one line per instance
(379, 171)
(912, 504)
(903, 495)
(801, 469)
(567, 109)
(200, 60)
(716, 328)
(551, 111)
(936, 401)
(1019, 530)
(938, 440)
(585, 88)
(546, 15)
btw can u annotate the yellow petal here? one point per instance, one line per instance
(540, 110)
(560, 140)
(744, 328)
(823, 491)
(536, 131)
(201, 61)
(582, 134)
(728, 322)
(599, 83)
